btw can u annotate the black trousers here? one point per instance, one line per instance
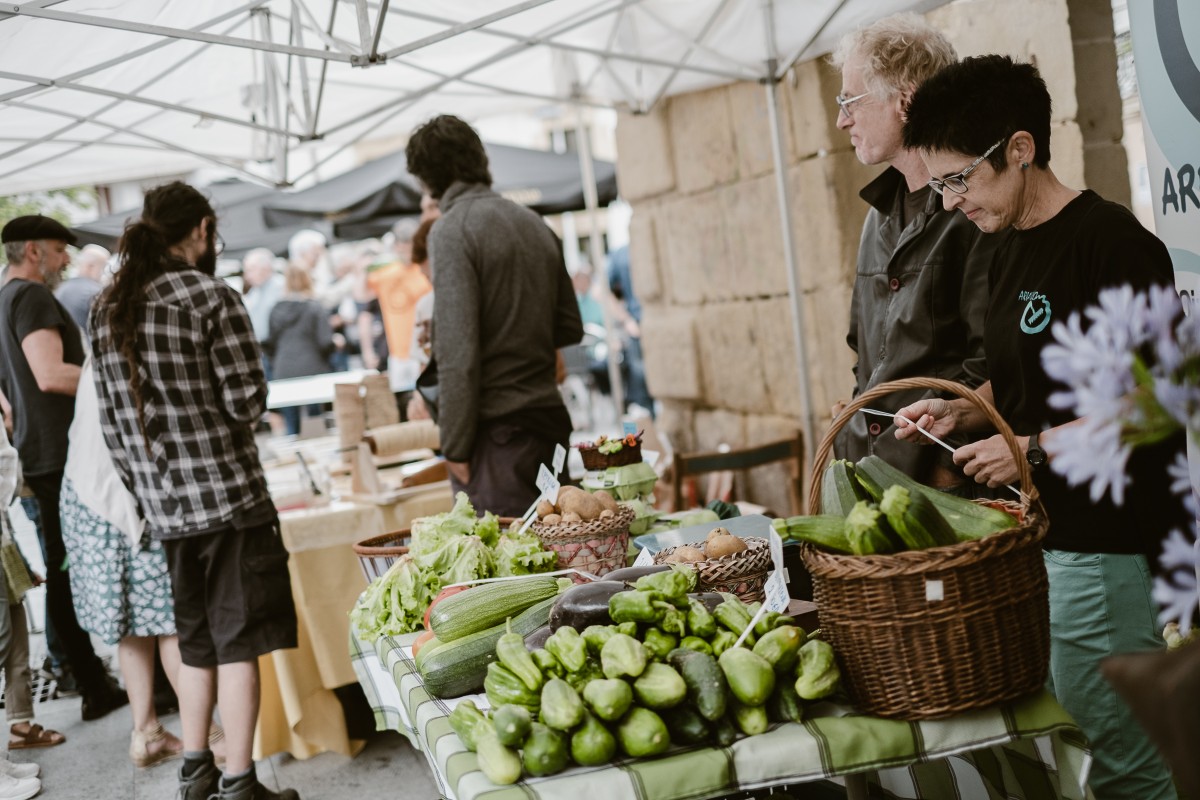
(504, 468)
(87, 668)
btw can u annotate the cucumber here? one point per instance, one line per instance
(482, 607)
(458, 667)
(705, 681)
(968, 520)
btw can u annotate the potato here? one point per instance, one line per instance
(564, 491)
(571, 516)
(607, 514)
(607, 500)
(552, 519)
(723, 546)
(688, 555)
(581, 503)
(715, 532)
(545, 508)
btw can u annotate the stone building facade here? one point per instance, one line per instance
(705, 242)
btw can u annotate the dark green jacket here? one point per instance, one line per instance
(919, 302)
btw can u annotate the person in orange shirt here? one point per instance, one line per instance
(399, 285)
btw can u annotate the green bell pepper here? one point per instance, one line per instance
(568, 647)
(636, 607)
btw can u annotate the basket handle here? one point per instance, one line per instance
(825, 451)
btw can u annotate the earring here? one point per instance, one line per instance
(1024, 165)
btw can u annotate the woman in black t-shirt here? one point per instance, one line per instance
(983, 129)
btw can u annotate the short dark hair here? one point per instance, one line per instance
(969, 106)
(445, 150)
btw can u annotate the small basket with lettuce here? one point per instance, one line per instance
(453, 547)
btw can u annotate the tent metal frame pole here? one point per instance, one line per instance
(791, 62)
(771, 86)
(331, 42)
(692, 45)
(591, 202)
(379, 20)
(141, 51)
(703, 48)
(312, 123)
(172, 33)
(53, 135)
(301, 67)
(133, 98)
(136, 134)
(456, 29)
(35, 4)
(416, 95)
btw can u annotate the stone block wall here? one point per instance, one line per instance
(705, 238)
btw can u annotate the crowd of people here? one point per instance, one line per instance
(971, 246)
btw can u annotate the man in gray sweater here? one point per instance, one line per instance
(503, 305)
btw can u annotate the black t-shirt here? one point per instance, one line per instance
(40, 419)
(1039, 277)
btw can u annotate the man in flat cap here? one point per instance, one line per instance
(41, 352)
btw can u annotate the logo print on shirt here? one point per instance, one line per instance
(1036, 315)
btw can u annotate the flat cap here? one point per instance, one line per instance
(34, 227)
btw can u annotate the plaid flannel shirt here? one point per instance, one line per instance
(204, 390)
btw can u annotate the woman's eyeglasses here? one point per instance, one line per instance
(958, 183)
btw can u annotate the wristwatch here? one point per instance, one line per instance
(1035, 455)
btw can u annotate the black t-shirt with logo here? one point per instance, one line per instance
(1041, 276)
(40, 419)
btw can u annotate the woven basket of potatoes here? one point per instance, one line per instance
(725, 563)
(588, 530)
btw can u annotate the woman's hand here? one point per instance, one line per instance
(934, 415)
(989, 461)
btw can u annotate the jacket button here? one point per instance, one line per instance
(875, 429)
(894, 284)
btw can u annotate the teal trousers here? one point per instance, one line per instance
(1100, 605)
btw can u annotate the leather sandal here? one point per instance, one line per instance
(35, 736)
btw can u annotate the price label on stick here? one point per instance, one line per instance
(644, 559)
(560, 458)
(547, 482)
(777, 597)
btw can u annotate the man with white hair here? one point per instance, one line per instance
(261, 289)
(307, 248)
(76, 294)
(920, 289)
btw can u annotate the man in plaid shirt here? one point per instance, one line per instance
(181, 388)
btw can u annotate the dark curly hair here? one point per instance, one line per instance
(969, 106)
(169, 213)
(445, 150)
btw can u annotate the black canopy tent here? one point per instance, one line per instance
(239, 206)
(366, 200)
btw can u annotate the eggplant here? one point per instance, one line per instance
(538, 638)
(631, 574)
(710, 599)
(583, 605)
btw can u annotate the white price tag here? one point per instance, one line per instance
(935, 591)
(629, 428)
(777, 597)
(644, 558)
(560, 458)
(651, 457)
(547, 482)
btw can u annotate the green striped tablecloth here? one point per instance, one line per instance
(1029, 750)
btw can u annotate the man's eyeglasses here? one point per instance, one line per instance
(844, 103)
(958, 183)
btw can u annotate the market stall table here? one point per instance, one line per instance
(318, 389)
(1030, 749)
(300, 714)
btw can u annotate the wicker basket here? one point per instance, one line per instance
(907, 655)
(377, 554)
(597, 546)
(743, 574)
(593, 459)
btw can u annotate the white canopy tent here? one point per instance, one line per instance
(95, 91)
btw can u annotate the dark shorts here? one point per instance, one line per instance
(233, 595)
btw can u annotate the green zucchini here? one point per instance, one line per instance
(458, 667)
(839, 490)
(826, 531)
(865, 530)
(915, 519)
(968, 520)
(482, 607)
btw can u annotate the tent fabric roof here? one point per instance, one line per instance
(549, 183)
(271, 88)
(240, 222)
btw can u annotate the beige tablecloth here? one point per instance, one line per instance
(300, 713)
